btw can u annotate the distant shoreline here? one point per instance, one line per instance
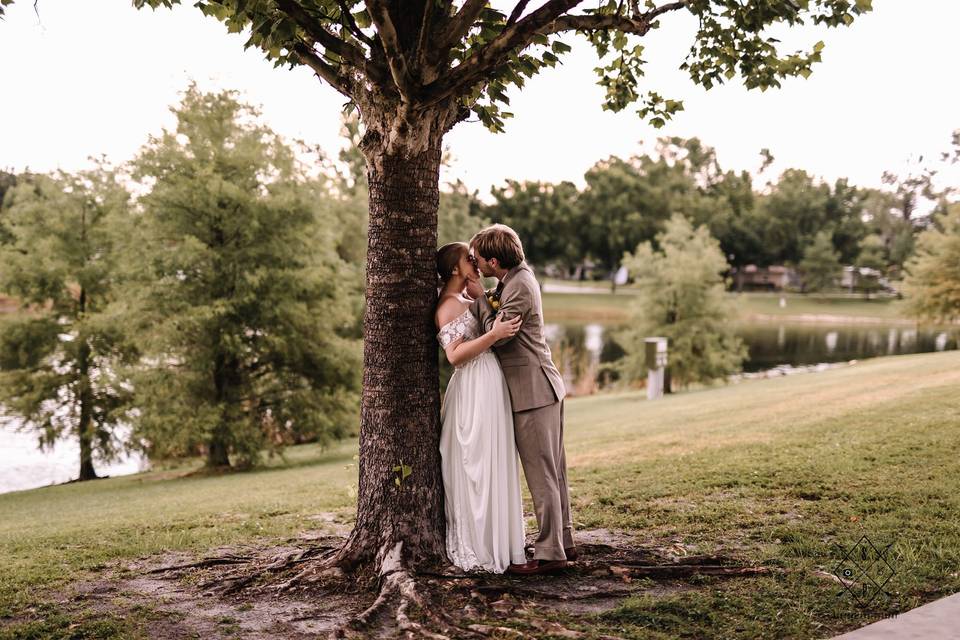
(824, 318)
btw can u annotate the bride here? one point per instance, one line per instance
(481, 477)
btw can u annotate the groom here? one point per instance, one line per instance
(536, 392)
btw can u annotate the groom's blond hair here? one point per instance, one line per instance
(501, 242)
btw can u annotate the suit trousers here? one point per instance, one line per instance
(539, 436)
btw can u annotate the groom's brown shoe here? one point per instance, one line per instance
(525, 569)
(536, 567)
(549, 566)
(572, 553)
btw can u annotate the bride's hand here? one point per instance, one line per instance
(474, 289)
(505, 328)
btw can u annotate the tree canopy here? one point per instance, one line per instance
(397, 60)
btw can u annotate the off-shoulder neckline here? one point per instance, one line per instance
(465, 312)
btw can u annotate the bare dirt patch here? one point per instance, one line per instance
(249, 592)
(177, 595)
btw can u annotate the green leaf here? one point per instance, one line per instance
(620, 41)
(362, 18)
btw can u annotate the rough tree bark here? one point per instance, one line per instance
(400, 505)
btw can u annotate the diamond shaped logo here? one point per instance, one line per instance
(864, 570)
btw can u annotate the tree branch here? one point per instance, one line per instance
(546, 20)
(639, 25)
(595, 22)
(352, 24)
(391, 48)
(460, 24)
(326, 71)
(517, 11)
(312, 27)
(649, 16)
(423, 39)
(515, 37)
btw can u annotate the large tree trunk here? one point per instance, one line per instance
(400, 518)
(217, 453)
(85, 427)
(218, 448)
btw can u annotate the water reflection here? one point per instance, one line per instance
(831, 341)
(579, 350)
(941, 341)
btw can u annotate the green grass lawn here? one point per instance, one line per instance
(602, 308)
(606, 308)
(776, 472)
(769, 304)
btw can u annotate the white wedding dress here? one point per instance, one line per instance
(481, 476)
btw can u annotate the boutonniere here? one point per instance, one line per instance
(493, 297)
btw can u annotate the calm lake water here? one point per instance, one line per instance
(579, 351)
(24, 466)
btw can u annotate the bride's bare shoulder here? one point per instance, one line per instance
(448, 310)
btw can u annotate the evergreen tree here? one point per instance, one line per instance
(59, 358)
(683, 298)
(871, 257)
(821, 263)
(933, 274)
(7, 182)
(241, 292)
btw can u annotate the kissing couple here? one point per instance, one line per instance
(505, 398)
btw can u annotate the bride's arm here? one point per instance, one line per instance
(460, 350)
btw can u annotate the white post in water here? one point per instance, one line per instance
(656, 356)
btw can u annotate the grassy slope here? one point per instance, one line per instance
(775, 471)
(615, 309)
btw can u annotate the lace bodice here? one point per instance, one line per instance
(463, 326)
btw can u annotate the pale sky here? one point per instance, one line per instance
(97, 77)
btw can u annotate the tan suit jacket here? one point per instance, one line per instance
(532, 378)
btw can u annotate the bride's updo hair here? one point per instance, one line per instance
(448, 257)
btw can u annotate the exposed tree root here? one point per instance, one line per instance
(437, 603)
(205, 562)
(401, 588)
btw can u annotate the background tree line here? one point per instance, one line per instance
(626, 202)
(681, 225)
